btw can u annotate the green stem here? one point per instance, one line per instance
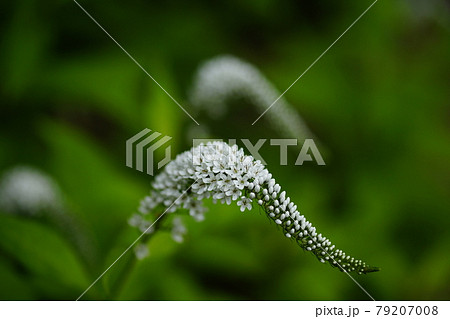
(131, 261)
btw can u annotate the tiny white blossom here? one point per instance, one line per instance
(241, 182)
(178, 230)
(245, 203)
(234, 193)
(141, 251)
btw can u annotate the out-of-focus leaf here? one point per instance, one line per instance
(24, 48)
(15, 285)
(107, 82)
(43, 253)
(101, 194)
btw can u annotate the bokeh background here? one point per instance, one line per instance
(378, 102)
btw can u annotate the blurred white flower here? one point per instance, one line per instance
(28, 191)
(141, 251)
(225, 77)
(178, 230)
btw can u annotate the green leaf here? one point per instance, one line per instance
(101, 196)
(43, 253)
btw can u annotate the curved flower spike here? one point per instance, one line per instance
(226, 174)
(226, 76)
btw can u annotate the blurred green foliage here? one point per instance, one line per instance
(378, 102)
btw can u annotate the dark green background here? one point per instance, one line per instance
(377, 102)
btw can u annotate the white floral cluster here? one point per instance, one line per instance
(28, 191)
(226, 76)
(226, 174)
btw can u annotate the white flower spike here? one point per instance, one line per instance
(226, 174)
(226, 76)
